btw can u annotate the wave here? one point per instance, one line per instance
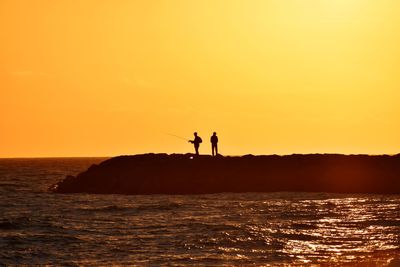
(395, 223)
(139, 208)
(15, 223)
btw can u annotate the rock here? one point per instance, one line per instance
(179, 174)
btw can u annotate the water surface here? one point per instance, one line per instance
(38, 227)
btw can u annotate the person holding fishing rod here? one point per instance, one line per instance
(196, 142)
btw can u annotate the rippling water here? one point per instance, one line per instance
(38, 228)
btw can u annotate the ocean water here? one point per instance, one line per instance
(271, 229)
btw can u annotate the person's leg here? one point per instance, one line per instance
(216, 149)
(197, 150)
(212, 149)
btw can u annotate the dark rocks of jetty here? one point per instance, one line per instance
(186, 174)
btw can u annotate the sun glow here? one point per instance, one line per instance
(339, 8)
(106, 78)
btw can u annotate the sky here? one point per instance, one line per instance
(105, 78)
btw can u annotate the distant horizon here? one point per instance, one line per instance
(205, 154)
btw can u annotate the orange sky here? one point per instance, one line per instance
(103, 78)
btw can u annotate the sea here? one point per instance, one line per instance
(38, 227)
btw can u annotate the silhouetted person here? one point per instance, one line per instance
(214, 144)
(196, 142)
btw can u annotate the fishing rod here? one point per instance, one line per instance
(177, 136)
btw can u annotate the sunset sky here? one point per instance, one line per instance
(104, 78)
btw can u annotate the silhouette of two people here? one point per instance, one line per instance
(197, 141)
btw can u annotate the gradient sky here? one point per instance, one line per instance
(103, 78)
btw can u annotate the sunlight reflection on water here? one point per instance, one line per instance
(224, 229)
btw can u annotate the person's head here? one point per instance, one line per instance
(214, 133)
(195, 133)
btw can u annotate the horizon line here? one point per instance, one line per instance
(77, 157)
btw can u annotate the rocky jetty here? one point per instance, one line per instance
(187, 174)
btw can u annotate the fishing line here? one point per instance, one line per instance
(177, 136)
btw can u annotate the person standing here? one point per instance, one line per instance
(214, 144)
(196, 142)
